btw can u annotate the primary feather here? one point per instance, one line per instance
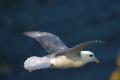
(50, 42)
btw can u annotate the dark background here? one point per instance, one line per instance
(74, 21)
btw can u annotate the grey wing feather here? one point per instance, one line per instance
(50, 42)
(76, 49)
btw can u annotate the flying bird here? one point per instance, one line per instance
(60, 56)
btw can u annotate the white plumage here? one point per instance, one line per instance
(34, 63)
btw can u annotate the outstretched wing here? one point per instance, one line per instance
(76, 49)
(50, 42)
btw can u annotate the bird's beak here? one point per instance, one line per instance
(96, 60)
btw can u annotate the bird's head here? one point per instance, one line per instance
(88, 56)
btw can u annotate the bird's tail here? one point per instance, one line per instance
(34, 63)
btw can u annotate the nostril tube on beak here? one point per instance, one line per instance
(96, 60)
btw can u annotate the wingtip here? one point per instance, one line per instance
(33, 34)
(99, 42)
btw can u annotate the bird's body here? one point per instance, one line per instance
(65, 62)
(60, 55)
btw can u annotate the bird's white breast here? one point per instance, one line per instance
(64, 62)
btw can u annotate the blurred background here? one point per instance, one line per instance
(74, 21)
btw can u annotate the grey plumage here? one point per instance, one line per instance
(50, 42)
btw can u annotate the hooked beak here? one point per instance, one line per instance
(96, 60)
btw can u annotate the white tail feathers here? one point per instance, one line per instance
(34, 63)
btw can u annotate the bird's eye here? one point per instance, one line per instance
(91, 55)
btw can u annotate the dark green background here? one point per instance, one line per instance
(74, 21)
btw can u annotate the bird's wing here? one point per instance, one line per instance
(50, 42)
(76, 49)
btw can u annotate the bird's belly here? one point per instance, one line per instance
(64, 62)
